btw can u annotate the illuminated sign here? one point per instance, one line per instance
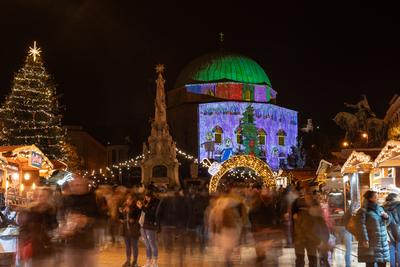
(36, 160)
(214, 168)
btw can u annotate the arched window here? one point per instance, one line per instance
(262, 136)
(281, 137)
(239, 137)
(160, 171)
(218, 134)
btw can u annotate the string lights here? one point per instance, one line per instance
(354, 160)
(391, 149)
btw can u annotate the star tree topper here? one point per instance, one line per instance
(34, 51)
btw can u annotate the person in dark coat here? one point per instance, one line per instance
(392, 207)
(304, 238)
(262, 217)
(373, 246)
(150, 225)
(129, 215)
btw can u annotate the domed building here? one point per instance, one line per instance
(223, 105)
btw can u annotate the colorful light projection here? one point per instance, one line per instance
(219, 136)
(234, 91)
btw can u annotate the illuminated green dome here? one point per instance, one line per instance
(220, 67)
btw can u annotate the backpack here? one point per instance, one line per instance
(354, 224)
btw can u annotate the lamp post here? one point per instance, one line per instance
(365, 136)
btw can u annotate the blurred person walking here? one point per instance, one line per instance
(129, 215)
(346, 234)
(35, 225)
(304, 241)
(373, 247)
(262, 217)
(226, 221)
(79, 216)
(149, 227)
(392, 207)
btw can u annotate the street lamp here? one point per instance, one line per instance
(345, 144)
(365, 136)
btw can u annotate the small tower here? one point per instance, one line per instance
(159, 163)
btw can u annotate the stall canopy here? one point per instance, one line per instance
(356, 162)
(29, 157)
(389, 156)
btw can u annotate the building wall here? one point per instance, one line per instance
(392, 118)
(92, 152)
(182, 121)
(116, 154)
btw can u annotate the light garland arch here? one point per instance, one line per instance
(251, 162)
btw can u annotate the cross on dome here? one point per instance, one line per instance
(160, 68)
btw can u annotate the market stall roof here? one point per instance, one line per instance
(357, 161)
(59, 165)
(12, 151)
(344, 154)
(389, 156)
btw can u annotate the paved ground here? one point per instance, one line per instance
(114, 257)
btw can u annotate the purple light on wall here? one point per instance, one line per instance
(260, 93)
(227, 115)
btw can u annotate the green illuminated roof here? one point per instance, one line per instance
(222, 66)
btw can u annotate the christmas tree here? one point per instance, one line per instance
(249, 132)
(30, 113)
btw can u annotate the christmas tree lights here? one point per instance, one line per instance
(30, 113)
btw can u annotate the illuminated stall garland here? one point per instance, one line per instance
(391, 149)
(355, 160)
(254, 163)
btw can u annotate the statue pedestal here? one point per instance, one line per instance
(160, 171)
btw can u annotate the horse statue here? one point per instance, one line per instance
(376, 130)
(348, 122)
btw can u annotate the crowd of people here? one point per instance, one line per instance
(74, 222)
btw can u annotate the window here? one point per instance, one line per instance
(239, 137)
(262, 136)
(218, 134)
(281, 137)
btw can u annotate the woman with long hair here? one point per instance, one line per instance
(129, 215)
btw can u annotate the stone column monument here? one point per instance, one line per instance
(159, 163)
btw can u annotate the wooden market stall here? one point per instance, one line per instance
(386, 172)
(356, 171)
(24, 168)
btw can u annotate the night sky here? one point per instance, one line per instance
(102, 53)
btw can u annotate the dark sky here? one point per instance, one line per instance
(102, 52)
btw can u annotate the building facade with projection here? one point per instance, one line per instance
(223, 104)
